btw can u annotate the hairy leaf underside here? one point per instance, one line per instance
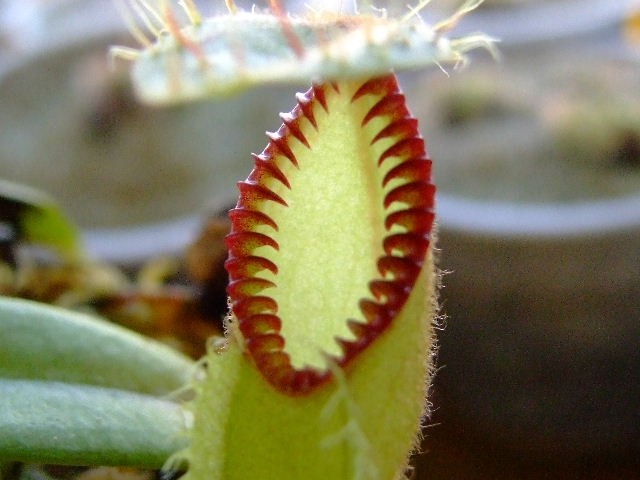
(330, 231)
(224, 54)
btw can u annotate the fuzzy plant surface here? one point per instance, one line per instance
(78, 390)
(332, 287)
(228, 53)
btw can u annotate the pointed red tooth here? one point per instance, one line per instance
(244, 243)
(244, 219)
(319, 94)
(377, 86)
(409, 170)
(265, 166)
(410, 245)
(392, 105)
(261, 344)
(305, 105)
(390, 293)
(415, 194)
(262, 157)
(417, 220)
(247, 266)
(294, 128)
(277, 369)
(246, 307)
(412, 147)
(405, 127)
(260, 324)
(251, 194)
(281, 146)
(350, 348)
(359, 329)
(306, 379)
(277, 360)
(248, 286)
(403, 270)
(378, 317)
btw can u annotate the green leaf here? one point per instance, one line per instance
(38, 219)
(49, 343)
(57, 423)
(332, 291)
(225, 54)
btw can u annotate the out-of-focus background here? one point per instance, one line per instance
(135, 177)
(537, 160)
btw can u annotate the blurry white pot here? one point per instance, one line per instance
(135, 178)
(541, 354)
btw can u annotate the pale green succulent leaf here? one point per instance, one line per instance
(58, 423)
(43, 342)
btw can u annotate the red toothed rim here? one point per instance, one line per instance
(405, 250)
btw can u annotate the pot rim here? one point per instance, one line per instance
(130, 246)
(126, 245)
(536, 220)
